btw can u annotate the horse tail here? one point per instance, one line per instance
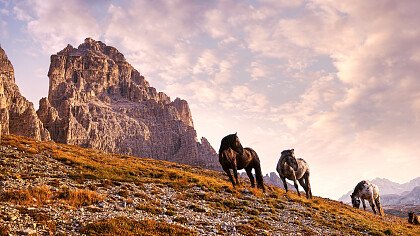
(257, 167)
(259, 176)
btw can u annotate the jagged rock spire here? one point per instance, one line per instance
(17, 114)
(97, 99)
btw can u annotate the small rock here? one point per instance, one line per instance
(27, 231)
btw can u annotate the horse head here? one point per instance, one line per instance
(231, 141)
(290, 158)
(237, 145)
(355, 201)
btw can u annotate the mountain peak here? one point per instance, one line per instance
(97, 99)
(14, 108)
(93, 48)
(5, 65)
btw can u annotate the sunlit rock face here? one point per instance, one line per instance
(17, 114)
(97, 99)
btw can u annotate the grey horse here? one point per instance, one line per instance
(366, 190)
(295, 169)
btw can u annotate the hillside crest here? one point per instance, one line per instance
(51, 188)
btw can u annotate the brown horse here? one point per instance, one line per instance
(413, 218)
(233, 156)
(294, 169)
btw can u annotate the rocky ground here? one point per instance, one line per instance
(43, 195)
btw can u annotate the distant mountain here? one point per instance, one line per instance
(389, 189)
(275, 180)
(409, 198)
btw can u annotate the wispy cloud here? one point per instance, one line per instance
(336, 80)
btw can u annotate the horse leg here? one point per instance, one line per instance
(296, 184)
(284, 183)
(372, 205)
(364, 205)
(235, 173)
(302, 183)
(230, 176)
(378, 206)
(308, 184)
(250, 176)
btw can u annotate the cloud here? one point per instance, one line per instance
(336, 80)
(3, 29)
(373, 110)
(54, 24)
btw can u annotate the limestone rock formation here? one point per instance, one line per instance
(97, 99)
(17, 115)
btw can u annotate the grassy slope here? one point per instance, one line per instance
(94, 164)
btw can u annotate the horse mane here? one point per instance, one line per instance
(284, 154)
(226, 142)
(229, 141)
(359, 187)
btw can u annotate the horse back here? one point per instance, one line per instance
(303, 168)
(249, 157)
(366, 190)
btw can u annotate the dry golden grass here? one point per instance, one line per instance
(112, 169)
(125, 226)
(246, 229)
(41, 195)
(91, 163)
(79, 197)
(150, 208)
(37, 195)
(4, 230)
(352, 221)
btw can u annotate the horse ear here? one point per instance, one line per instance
(236, 133)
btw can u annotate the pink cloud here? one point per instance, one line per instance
(258, 68)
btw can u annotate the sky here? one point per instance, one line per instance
(338, 81)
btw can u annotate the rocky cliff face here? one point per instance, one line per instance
(97, 99)
(17, 115)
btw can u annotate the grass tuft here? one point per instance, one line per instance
(125, 226)
(79, 197)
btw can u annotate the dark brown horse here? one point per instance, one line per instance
(413, 218)
(233, 156)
